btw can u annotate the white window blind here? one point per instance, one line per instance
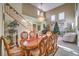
(53, 18)
(61, 16)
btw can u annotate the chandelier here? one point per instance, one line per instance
(40, 14)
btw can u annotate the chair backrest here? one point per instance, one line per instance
(5, 44)
(0, 46)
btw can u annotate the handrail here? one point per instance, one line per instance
(14, 10)
(17, 16)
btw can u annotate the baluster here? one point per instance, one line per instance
(15, 15)
(6, 8)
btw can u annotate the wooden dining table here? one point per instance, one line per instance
(31, 45)
(34, 44)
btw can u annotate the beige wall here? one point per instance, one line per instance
(29, 10)
(69, 10)
(17, 6)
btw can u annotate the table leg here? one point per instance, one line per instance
(28, 52)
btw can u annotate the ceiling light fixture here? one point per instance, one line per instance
(40, 14)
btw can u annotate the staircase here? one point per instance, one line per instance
(16, 16)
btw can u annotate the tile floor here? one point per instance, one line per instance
(67, 49)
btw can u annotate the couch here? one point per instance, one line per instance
(69, 37)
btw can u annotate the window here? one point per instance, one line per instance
(61, 16)
(53, 18)
(38, 12)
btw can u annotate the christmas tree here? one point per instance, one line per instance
(56, 28)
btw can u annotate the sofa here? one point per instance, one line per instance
(69, 37)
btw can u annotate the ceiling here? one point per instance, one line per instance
(47, 6)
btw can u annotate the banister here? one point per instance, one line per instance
(17, 13)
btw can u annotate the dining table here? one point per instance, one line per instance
(30, 45)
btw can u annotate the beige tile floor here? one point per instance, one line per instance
(67, 49)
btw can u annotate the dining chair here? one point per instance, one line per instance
(35, 52)
(49, 42)
(0, 46)
(13, 51)
(48, 46)
(55, 42)
(42, 46)
(40, 50)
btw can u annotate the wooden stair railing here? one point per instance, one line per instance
(16, 16)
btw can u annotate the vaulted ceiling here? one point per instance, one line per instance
(31, 9)
(46, 6)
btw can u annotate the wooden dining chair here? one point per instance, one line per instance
(43, 47)
(40, 50)
(48, 46)
(55, 43)
(13, 51)
(49, 42)
(35, 52)
(0, 46)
